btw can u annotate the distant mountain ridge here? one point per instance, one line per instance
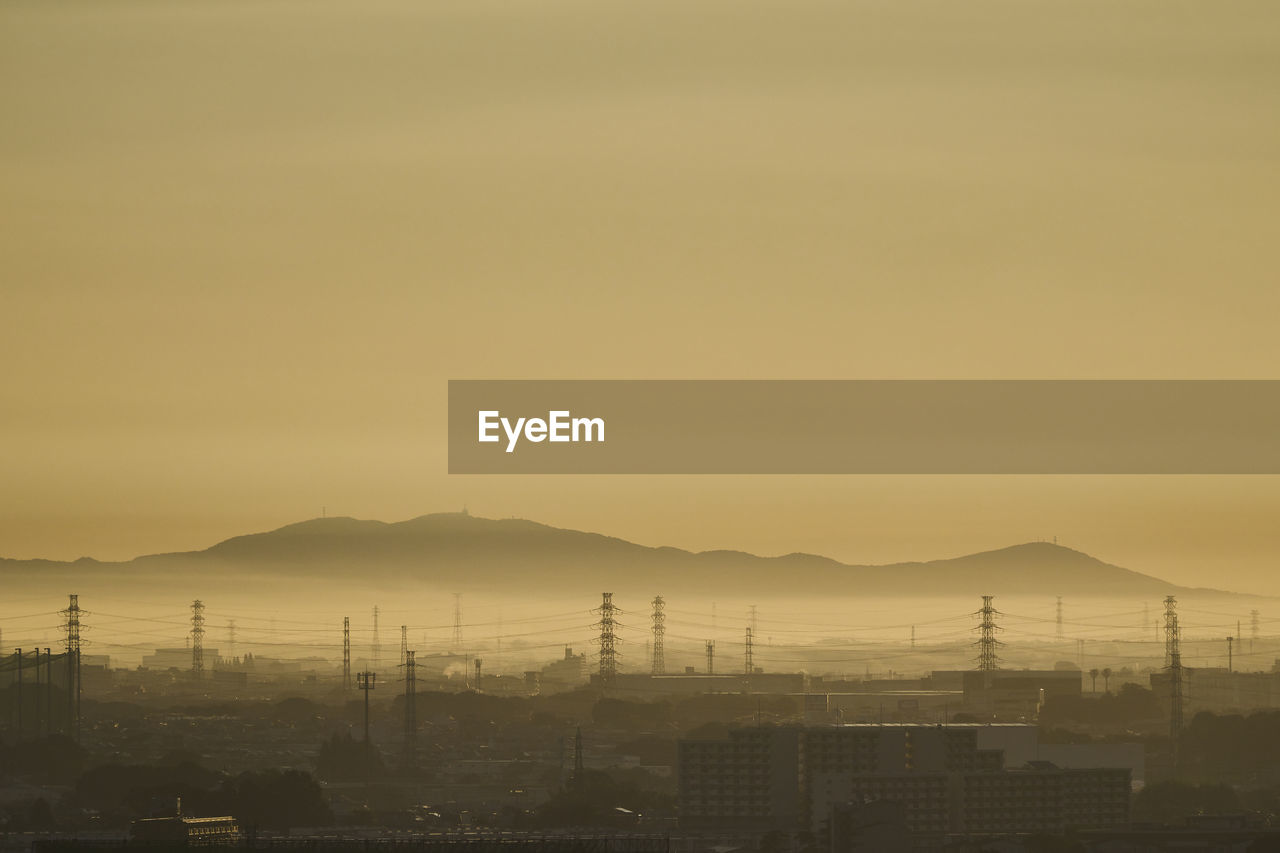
(460, 551)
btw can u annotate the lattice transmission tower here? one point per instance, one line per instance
(987, 642)
(1173, 662)
(410, 709)
(346, 654)
(457, 621)
(197, 638)
(659, 630)
(607, 640)
(72, 626)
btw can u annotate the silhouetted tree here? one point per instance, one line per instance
(344, 759)
(1172, 801)
(1131, 705)
(40, 815)
(1232, 747)
(1093, 677)
(136, 786)
(601, 801)
(650, 749)
(276, 799)
(293, 710)
(620, 713)
(56, 758)
(705, 708)
(1106, 679)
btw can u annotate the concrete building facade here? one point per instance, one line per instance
(791, 777)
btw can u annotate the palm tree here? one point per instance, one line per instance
(1106, 679)
(1093, 676)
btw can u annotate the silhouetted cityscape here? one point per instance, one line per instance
(664, 723)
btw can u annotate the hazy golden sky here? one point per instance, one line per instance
(244, 245)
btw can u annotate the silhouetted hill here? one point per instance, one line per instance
(458, 552)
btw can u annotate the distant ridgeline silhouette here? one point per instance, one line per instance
(460, 551)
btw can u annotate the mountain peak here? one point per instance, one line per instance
(457, 548)
(457, 551)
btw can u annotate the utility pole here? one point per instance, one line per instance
(987, 642)
(711, 657)
(48, 691)
(579, 779)
(367, 681)
(36, 703)
(19, 655)
(404, 644)
(197, 639)
(608, 654)
(1230, 665)
(659, 629)
(748, 661)
(377, 643)
(479, 664)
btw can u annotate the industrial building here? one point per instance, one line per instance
(639, 684)
(186, 831)
(1218, 689)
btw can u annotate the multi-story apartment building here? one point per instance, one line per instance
(791, 777)
(749, 781)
